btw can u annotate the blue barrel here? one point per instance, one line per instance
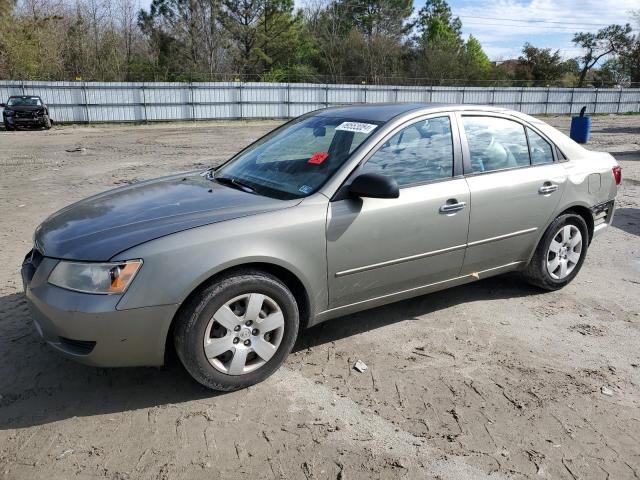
(580, 129)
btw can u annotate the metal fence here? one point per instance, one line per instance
(80, 102)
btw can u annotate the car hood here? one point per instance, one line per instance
(99, 227)
(25, 108)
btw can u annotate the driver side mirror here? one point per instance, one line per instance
(374, 185)
(2, 105)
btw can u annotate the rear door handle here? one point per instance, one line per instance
(452, 206)
(547, 188)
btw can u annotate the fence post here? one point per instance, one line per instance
(22, 85)
(191, 103)
(364, 90)
(144, 102)
(464, 89)
(493, 95)
(86, 102)
(288, 100)
(521, 95)
(240, 98)
(546, 102)
(595, 103)
(395, 91)
(573, 89)
(326, 95)
(619, 100)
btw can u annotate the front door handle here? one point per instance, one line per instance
(452, 206)
(547, 188)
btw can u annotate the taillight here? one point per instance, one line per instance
(617, 174)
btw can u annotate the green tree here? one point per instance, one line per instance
(613, 39)
(361, 39)
(630, 58)
(477, 65)
(540, 64)
(437, 26)
(262, 33)
(440, 51)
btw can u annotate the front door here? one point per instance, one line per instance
(515, 184)
(379, 247)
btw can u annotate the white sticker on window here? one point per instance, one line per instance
(356, 127)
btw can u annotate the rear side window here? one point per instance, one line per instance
(419, 153)
(495, 143)
(541, 151)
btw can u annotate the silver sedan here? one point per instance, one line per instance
(337, 211)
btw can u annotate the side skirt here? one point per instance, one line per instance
(412, 292)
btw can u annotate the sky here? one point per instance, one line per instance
(503, 26)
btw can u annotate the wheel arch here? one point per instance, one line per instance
(582, 211)
(285, 275)
(577, 209)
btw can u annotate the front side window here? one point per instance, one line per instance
(495, 143)
(419, 153)
(297, 159)
(541, 151)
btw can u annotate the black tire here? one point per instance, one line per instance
(194, 317)
(536, 272)
(9, 128)
(47, 122)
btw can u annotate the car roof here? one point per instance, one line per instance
(383, 112)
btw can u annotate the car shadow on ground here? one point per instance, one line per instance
(37, 386)
(627, 220)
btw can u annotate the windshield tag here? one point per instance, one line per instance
(356, 127)
(317, 158)
(306, 189)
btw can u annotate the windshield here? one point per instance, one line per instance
(24, 102)
(297, 159)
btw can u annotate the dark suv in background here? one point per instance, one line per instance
(25, 111)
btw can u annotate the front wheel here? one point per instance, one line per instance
(238, 331)
(8, 127)
(47, 123)
(560, 253)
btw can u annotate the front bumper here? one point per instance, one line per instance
(89, 328)
(31, 121)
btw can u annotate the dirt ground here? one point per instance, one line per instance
(490, 380)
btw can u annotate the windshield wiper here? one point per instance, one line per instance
(235, 183)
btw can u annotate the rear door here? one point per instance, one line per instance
(379, 247)
(515, 184)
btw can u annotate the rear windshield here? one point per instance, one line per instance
(24, 102)
(298, 158)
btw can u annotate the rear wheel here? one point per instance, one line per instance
(238, 331)
(560, 253)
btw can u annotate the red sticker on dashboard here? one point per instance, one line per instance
(317, 158)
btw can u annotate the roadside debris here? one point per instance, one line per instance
(607, 391)
(76, 149)
(360, 366)
(64, 454)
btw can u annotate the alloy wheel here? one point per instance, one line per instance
(564, 252)
(244, 334)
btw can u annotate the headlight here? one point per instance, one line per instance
(99, 278)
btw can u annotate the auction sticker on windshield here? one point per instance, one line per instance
(356, 127)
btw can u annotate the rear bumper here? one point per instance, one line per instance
(602, 216)
(89, 328)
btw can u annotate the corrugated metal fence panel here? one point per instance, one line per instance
(117, 102)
